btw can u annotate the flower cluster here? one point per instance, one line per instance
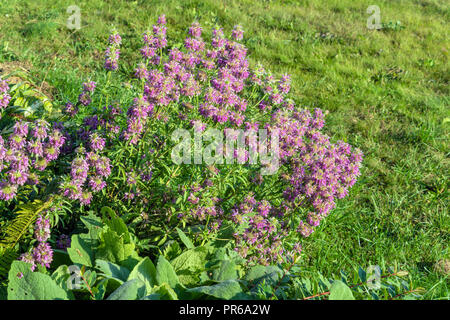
(85, 96)
(4, 96)
(63, 242)
(203, 84)
(137, 118)
(89, 169)
(154, 41)
(316, 172)
(204, 203)
(113, 51)
(261, 240)
(43, 253)
(27, 152)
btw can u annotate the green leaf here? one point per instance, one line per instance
(226, 271)
(340, 291)
(224, 290)
(146, 272)
(162, 292)
(130, 290)
(171, 250)
(362, 274)
(60, 257)
(115, 223)
(190, 264)
(60, 276)
(112, 270)
(100, 289)
(165, 273)
(112, 248)
(271, 274)
(81, 250)
(93, 224)
(27, 285)
(187, 242)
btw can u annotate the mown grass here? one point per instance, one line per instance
(387, 92)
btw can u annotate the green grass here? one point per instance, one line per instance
(387, 92)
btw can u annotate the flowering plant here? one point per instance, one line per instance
(113, 147)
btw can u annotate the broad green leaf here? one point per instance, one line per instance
(271, 274)
(171, 249)
(112, 270)
(226, 271)
(61, 275)
(340, 291)
(162, 292)
(130, 290)
(146, 272)
(27, 285)
(116, 224)
(112, 248)
(93, 224)
(165, 273)
(190, 264)
(227, 290)
(224, 235)
(82, 250)
(362, 274)
(100, 289)
(61, 257)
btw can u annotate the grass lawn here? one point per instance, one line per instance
(386, 91)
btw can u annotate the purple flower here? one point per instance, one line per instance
(84, 98)
(56, 139)
(71, 189)
(28, 258)
(17, 177)
(131, 178)
(237, 33)
(89, 87)
(4, 100)
(96, 183)
(63, 242)
(148, 52)
(7, 190)
(115, 39)
(50, 152)
(97, 143)
(112, 58)
(4, 87)
(304, 229)
(40, 164)
(195, 30)
(21, 128)
(162, 19)
(103, 167)
(42, 229)
(86, 197)
(79, 169)
(4, 96)
(141, 72)
(17, 141)
(39, 131)
(43, 254)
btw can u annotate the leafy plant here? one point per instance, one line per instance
(26, 214)
(199, 272)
